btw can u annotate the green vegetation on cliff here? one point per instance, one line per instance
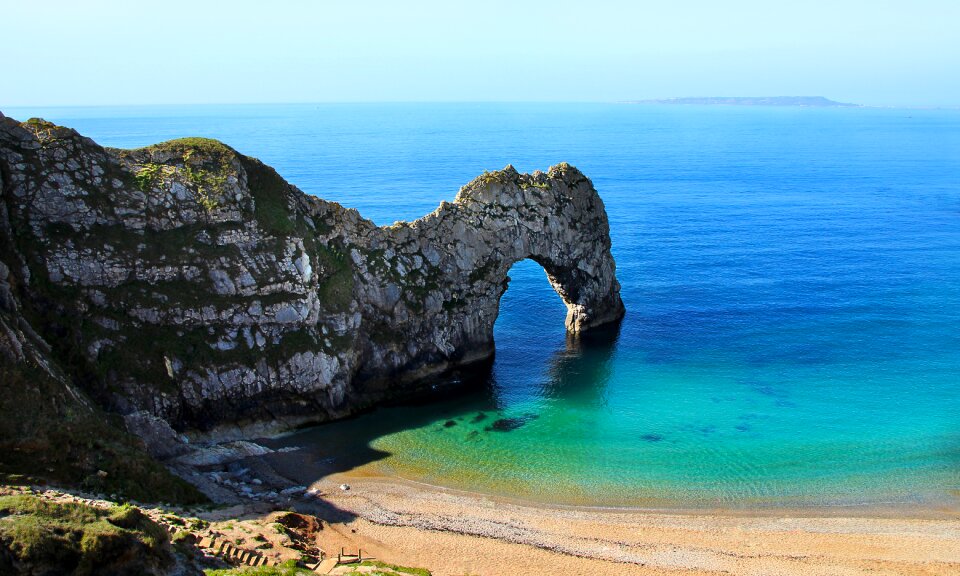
(49, 434)
(271, 196)
(41, 537)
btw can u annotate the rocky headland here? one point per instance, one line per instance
(188, 288)
(805, 101)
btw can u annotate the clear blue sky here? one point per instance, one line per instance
(879, 52)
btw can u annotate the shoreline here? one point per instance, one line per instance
(299, 459)
(454, 532)
(945, 509)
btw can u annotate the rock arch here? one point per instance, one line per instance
(467, 247)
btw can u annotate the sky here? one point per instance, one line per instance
(874, 52)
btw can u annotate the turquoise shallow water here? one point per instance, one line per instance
(792, 280)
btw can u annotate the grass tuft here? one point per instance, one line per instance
(288, 568)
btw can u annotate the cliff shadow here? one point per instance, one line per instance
(469, 396)
(314, 453)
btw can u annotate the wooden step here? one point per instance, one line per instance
(325, 566)
(227, 550)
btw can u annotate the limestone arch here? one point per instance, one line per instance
(558, 221)
(456, 262)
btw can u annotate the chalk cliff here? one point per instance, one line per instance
(186, 283)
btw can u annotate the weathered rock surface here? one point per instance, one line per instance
(187, 282)
(49, 427)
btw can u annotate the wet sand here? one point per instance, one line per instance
(455, 533)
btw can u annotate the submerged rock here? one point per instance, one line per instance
(508, 424)
(192, 284)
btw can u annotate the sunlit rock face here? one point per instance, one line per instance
(190, 283)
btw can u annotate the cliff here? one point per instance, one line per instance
(190, 285)
(49, 427)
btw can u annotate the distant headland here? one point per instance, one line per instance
(818, 101)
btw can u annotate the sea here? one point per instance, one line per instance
(791, 278)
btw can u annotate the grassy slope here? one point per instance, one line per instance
(48, 434)
(67, 538)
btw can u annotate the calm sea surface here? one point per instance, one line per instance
(792, 281)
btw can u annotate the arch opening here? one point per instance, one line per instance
(528, 334)
(530, 305)
(536, 357)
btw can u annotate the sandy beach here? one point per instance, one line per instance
(455, 533)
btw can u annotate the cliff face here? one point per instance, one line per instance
(187, 282)
(49, 427)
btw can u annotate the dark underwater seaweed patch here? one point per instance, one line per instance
(510, 424)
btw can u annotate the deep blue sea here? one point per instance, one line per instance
(791, 278)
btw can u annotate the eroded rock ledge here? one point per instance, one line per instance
(187, 283)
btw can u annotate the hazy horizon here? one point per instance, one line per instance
(108, 53)
(649, 102)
